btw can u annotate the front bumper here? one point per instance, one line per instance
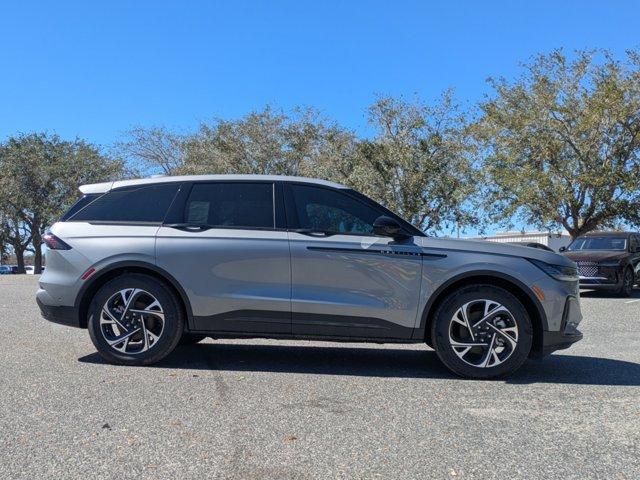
(552, 341)
(598, 284)
(568, 333)
(601, 277)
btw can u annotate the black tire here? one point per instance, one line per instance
(191, 338)
(627, 283)
(171, 331)
(443, 318)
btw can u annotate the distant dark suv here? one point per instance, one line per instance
(607, 260)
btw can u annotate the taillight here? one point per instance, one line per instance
(54, 243)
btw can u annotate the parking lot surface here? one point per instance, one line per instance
(256, 409)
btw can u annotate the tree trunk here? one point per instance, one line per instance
(36, 241)
(19, 253)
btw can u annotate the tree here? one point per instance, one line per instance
(418, 164)
(16, 234)
(561, 143)
(156, 149)
(262, 142)
(40, 174)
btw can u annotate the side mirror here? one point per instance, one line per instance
(562, 249)
(387, 227)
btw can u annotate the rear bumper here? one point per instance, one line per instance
(59, 314)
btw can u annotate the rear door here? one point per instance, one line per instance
(346, 281)
(226, 244)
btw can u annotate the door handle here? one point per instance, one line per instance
(313, 233)
(188, 227)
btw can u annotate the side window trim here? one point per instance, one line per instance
(178, 211)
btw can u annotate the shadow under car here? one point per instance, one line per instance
(384, 362)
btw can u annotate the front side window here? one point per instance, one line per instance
(598, 243)
(321, 209)
(140, 203)
(231, 205)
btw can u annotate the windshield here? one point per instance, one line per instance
(599, 243)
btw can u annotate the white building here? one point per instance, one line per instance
(551, 240)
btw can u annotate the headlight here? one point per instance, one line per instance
(559, 272)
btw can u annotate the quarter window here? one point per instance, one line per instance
(81, 203)
(327, 210)
(145, 204)
(231, 205)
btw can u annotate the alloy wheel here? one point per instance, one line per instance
(132, 321)
(483, 333)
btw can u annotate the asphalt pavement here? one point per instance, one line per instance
(255, 409)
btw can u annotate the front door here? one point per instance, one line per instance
(228, 255)
(347, 282)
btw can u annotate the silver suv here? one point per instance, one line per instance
(148, 264)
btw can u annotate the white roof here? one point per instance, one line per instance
(105, 187)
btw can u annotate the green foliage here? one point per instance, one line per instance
(561, 143)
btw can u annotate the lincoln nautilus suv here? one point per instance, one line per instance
(148, 264)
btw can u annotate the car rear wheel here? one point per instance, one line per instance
(135, 320)
(627, 283)
(482, 331)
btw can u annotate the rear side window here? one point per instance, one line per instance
(145, 204)
(231, 205)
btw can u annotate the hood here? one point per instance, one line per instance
(494, 248)
(595, 255)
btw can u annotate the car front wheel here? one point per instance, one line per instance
(482, 331)
(627, 283)
(135, 320)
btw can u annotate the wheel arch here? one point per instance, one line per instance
(91, 287)
(516, 287)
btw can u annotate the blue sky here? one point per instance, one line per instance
(83, 69)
